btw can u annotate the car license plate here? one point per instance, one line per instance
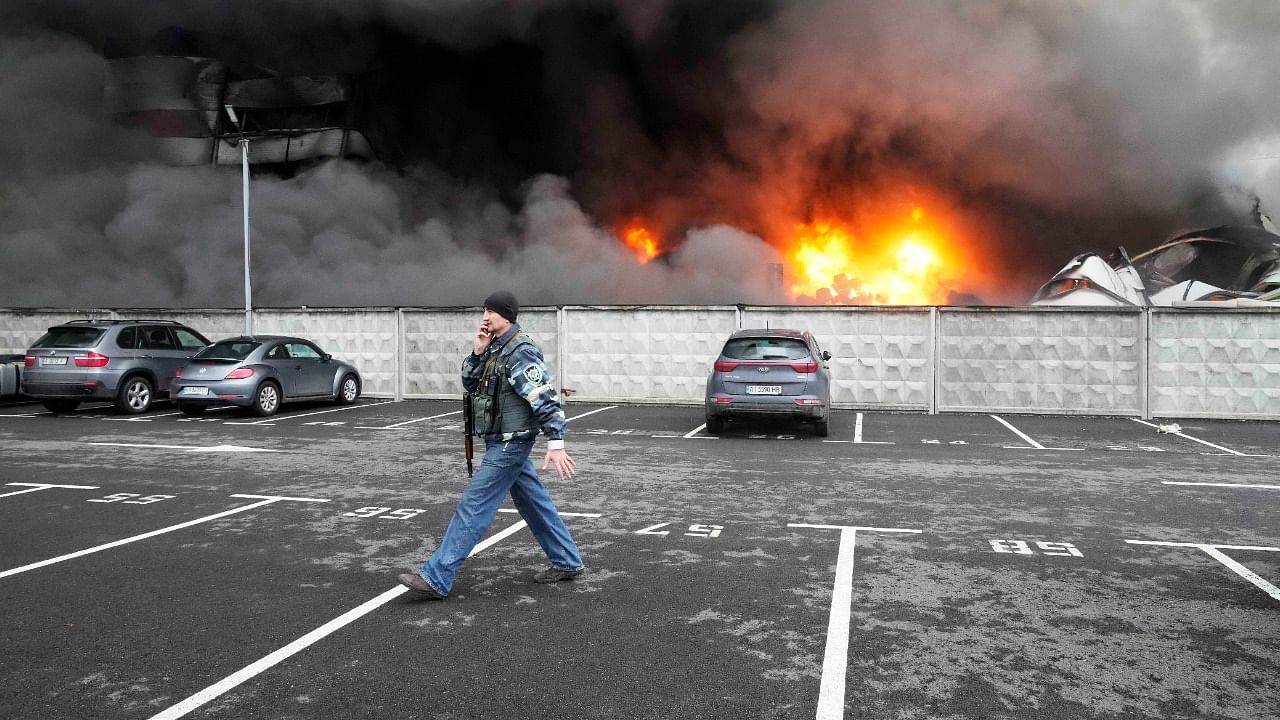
(191, 390)
(764, 389)
(53, 361)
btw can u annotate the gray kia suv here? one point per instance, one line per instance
(770, 373)
(128, 362)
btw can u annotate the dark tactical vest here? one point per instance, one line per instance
(496, 406)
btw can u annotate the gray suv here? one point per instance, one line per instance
(128, 362)
(770, 374)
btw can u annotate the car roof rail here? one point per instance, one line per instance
(89, 321)
(154, 322)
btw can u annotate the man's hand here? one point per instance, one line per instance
(564, 464)
(484, 336)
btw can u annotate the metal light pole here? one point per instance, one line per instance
(244, 174)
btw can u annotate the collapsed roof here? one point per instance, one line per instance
(1220, 266)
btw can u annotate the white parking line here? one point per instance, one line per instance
(142, 419)
(275, 418)
(565, 514)
(591, 412)
(1179, 433)
(407, 422)
(37, 487)
(1215, 552)
(693, 434)
(1225, 485)
(1018, 432)
(80, 553)
(306, 641)
(835, 659)
(189, 448)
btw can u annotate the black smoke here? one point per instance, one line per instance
(515, 137)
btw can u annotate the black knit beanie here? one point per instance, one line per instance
(503, 303)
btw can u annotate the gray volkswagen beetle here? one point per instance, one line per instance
(262, 372)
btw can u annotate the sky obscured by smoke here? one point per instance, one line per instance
(526, 133)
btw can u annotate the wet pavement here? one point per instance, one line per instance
(906, 566)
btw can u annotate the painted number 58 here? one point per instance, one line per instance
(385, 513)
(1022, 547)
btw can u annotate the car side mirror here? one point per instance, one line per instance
(326, 357)
(825, 356)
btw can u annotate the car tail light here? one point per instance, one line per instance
(177, 373)
(808, 401)
(93, 359)
(239, 374)
(721, 400)
(805, 367)
(28, 361)
(725, 366)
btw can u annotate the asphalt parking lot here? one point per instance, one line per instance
(907, 566)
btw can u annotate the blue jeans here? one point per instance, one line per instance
(506, 467)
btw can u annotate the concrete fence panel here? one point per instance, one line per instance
(1215, 363)
(643, 354)
(366, 338)
(1040, 360)
(435, 342)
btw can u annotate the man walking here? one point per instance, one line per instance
(512, 397)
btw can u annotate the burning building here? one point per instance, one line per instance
(916, 152)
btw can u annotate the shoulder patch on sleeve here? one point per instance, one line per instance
(533, 374)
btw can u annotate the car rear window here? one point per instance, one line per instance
(228, 350)
(760, 348)
(69, 337)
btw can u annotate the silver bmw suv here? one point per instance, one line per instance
(128, 362)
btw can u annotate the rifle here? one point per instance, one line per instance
(468, 427)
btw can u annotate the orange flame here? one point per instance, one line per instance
(641, 242)
(902, 264)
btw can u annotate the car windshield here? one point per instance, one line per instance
(69, 337)
(765, 348)
(228, 350)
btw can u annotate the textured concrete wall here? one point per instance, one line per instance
(1153, 363)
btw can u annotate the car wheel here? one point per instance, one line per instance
(820, 428)
(135, 396)
(349, 390)
(715, 426)
(59, 405)
(266, 401)
(192, 409)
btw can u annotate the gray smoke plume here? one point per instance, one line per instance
(519, 137)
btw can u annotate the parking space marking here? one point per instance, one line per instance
(189, 448)
(37, 487)
(835, 659)
(857, 436)
(302, 643)
(693, 434)
(565, 514)
(1181, 434)
(142, 419)
(1018, 432)
(268, 499)
(274, 418)
(407, 422)
(591, 412)
(1226, 485)
(1215, 552)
